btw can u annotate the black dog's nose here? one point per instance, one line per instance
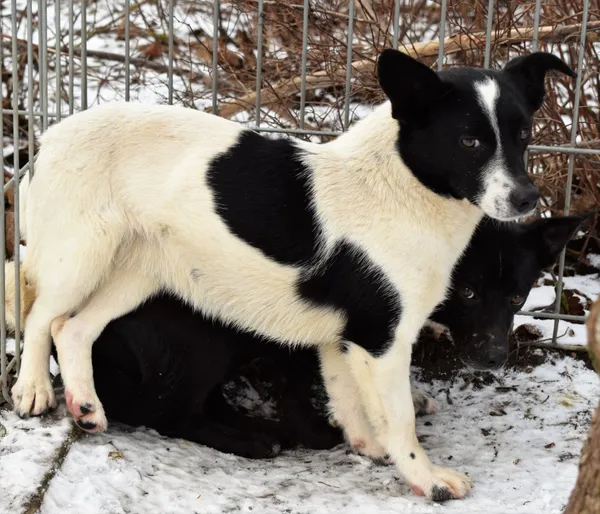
(525, 198)
(496, 355)
(495, 362)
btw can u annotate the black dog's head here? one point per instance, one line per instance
(492, 280)
(463, 132)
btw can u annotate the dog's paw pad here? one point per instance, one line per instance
(440, 494)
(92, 423)
(88, 426)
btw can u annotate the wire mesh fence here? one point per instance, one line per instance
(303, 68)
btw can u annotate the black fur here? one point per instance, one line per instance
(261, 183)
(162, 366)
(262, 193)
(529, 71)
(348, 282)
(499, 269)
(262, 187)
(435, 110)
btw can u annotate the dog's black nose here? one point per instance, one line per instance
(494, 362)
(525, 198)
(495, 355)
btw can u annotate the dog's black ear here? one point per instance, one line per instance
(409, 84)
(552, 234)
(529, 72)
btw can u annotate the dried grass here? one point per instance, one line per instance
(560, 27)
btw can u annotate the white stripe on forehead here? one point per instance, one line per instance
(487, 92)
(497, 182)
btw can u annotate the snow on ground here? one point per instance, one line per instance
(27, 450)
(523, 459)
(594, 260)
(520, 445)
(585, 286)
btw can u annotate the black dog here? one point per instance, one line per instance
(162, 366)
(492, 282)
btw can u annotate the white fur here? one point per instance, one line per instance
(498, 184)
(119, 208)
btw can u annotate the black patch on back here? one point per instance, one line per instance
(262, 192)
(350, 282)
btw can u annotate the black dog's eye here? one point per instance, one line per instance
(517, 299)
(469, 142)
(524, 134)
(467, 293)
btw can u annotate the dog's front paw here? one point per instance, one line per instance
(438, 330)
(444, 484)
(87, 411)
(33, 397)
(424, 404)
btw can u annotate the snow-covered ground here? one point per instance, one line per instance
(587, 288)
(520, 444)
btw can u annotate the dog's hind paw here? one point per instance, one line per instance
(33, 397)
(87, 412)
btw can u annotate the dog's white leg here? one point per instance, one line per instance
(33, 394)
(385, 389)
(74, 338)
(62, 280)
(346, 406)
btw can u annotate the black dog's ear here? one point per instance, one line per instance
(409, 84)
(552, 234)
(529, 72)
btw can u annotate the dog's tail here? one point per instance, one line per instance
(26, 300)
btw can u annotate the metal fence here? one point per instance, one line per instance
(46, 48)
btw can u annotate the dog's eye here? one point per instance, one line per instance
(524, 134)
(469, 142)
(467, 293)
(518, 299)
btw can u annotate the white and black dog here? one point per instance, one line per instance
(348, 245)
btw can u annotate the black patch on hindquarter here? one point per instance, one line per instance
(262, 193)
(350, 282)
